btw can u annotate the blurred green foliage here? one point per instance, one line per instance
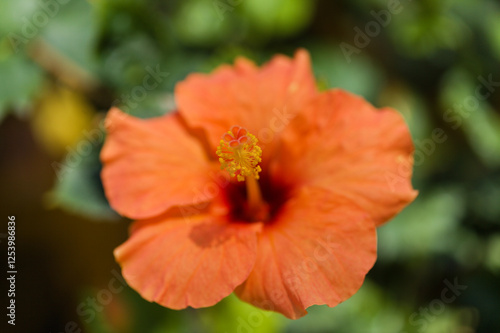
(426, 62)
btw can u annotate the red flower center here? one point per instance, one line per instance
(274, 195)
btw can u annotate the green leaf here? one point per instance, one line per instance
(15, 17)
(202, 22)
(21, 80)
(359, 76)
(78, 188)
(72, 32)
(429, 225)
(370, 310)
(467, 110)
(493, 255)
(492, 28)
(233, 315)
(280, 18)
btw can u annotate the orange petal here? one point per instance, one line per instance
(345, 145)
(151, 165)
(262, 100)
(317, 252)
(178, 263)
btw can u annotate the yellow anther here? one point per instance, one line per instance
(239, 153)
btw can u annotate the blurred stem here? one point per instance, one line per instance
(61, 67)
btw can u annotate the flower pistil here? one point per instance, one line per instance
(240, 155)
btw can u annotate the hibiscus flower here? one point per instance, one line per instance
(258, 184)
